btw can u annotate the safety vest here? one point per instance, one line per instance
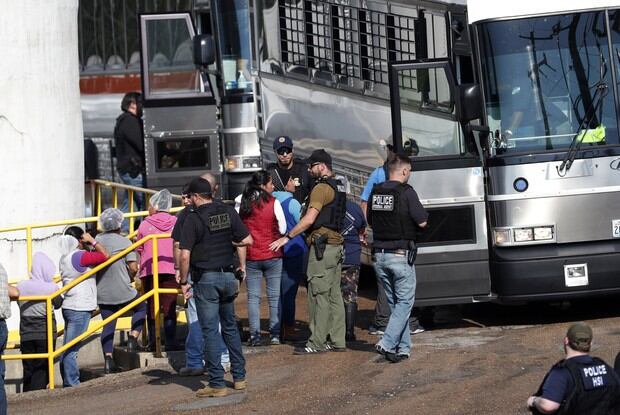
(596, 135)
(596, 388)
(389, 214)
(215, 248)
(332, 214)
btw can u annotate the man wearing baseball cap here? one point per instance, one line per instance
(287, 166)
(580, 383)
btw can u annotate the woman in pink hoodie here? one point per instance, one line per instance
(159, 221)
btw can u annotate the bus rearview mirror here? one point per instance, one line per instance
(204, 50)
(468, 102)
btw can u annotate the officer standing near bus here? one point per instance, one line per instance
(210, 235)
(580, 383)
(325, 211)
(288, 166)
(395, 213)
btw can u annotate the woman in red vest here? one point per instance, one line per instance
(264, 217)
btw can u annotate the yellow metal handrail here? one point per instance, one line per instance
(29, 228)
(51, 353)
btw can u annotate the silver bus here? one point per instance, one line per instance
(195, 119)
(509, 113)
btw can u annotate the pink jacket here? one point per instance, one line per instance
(161, 222)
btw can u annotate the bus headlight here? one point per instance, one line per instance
(543, 233)
(524, 234)
(502, 236)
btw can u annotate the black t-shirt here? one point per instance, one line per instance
(411, 203)
(178, 226)
(129, 142)
(300, 174)
(193, 228)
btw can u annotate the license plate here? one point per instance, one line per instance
(615, 228)
(576, 275)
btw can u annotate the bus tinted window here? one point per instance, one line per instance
(547, 79)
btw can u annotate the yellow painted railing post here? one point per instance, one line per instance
(115, 195)
(49, 310)
(156, 298)
(98, 199)
(130, 201)
(29, 246)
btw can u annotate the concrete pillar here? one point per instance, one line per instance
(41, 153)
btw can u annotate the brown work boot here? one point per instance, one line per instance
(240, 385)
(209, 392)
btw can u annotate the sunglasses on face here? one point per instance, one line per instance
(284, 151)
(315, 164)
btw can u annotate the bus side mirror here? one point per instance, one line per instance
(204, 50)
(468, 102)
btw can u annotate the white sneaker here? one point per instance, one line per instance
(418, 330)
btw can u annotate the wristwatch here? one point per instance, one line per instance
(183, 282)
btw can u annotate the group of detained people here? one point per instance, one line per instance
(109, 290)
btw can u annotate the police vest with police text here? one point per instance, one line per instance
(596, 388)
(332, 214)
(215, 248)
(390, 220)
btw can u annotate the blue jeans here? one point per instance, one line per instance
(215, 294)
(195, 343)
(138, 198)
(4, 334)
(107, 334)
(398, 279)
(76, 323)
(272, 269)
(293, 271)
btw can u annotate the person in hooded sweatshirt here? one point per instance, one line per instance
(160, 221)
(33, 320)
(76, 257)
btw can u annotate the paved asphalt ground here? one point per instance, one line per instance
(476, 359)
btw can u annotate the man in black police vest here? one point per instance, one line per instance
(395, 213)
(580, 383)
(323, 218)
(210, 235)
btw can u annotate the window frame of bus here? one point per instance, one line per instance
(205, 96)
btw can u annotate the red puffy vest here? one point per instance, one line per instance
(263, 226)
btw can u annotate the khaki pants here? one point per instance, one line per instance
(325, 304)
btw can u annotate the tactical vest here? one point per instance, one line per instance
(332, 214)
(389, 216)
(215, 248)
(596, 388)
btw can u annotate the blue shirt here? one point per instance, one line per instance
(376, 177)
(560, 382)
(354, 222)
(292, 214)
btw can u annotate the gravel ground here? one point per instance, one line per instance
(476, 359)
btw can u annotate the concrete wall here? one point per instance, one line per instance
(41, 161)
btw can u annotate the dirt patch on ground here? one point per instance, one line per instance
(485, 360)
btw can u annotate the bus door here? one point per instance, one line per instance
(180, 114)
(447, 173)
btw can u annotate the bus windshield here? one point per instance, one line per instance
(548, 80)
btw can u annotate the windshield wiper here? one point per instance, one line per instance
(597, 100)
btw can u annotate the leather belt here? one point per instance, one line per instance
(228, 268)
(402, 252)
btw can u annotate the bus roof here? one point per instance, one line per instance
(479, 10)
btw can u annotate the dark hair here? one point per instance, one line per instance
(253, 195)
(130, 98)
(399, 161)
(185, 189)
(75, 231)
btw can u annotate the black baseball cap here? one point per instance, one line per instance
(199, 185)
(319, 156)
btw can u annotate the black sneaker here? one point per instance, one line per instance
(393, 357)
(380, 349)
(307, 350)
(374, 330)
(254, 341)
(331, 348)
